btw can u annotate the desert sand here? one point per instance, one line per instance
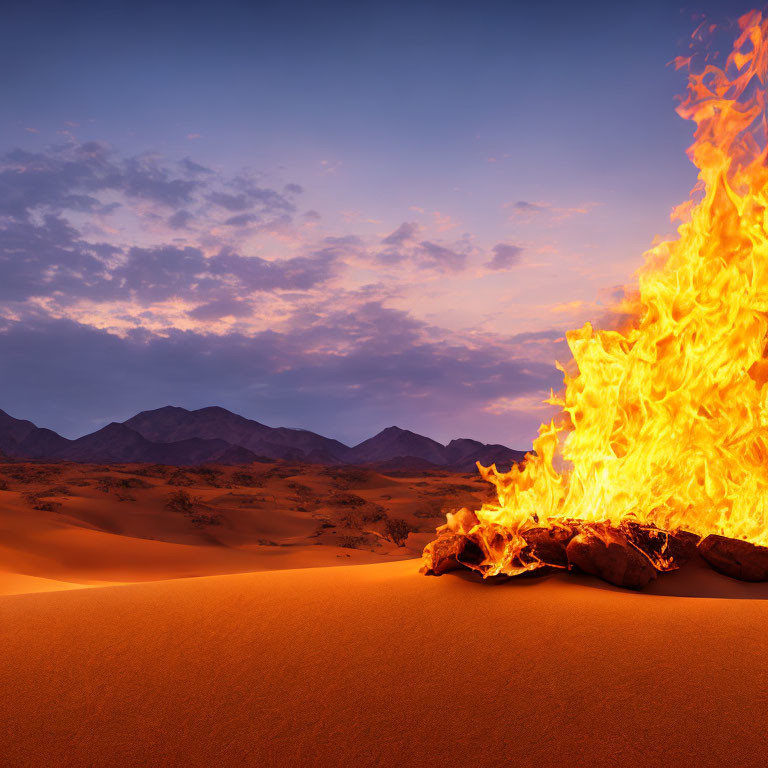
(72, 525)
(261, 657)
(376, 665)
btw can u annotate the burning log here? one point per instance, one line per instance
(629, 555)
(450, 552)
(735, 558)
(606, 552)
(548, 545)
(667, 550)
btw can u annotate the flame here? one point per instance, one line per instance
(664, 422)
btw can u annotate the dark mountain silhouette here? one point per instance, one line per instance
(395, 448)
(178, 436)
(119, 443)
(463, 454)
(394, 442)
(170, 423)
(20, 438)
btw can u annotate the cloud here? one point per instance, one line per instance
(44, 255)
(156, 274)
(252, 273)
(405, 233)
(180, 219)
(374, 367)
(242, 220)
(440, 258)
(504, 256)
(49, 257)
(403, 245)
(524, 207)
(220, 308)
(72, 177)
(194, 169)
(285, 318)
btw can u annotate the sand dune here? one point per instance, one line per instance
(377, 666)
(65, 525)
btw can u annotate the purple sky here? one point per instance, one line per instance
(332, 216)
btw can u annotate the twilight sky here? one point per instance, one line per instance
(338, 216)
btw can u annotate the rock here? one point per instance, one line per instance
(667, 550)
(449, 552)
(606, 552)
(548, 545)
(736, 558)
(683, 545)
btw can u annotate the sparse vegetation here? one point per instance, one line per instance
(208, 475)
(41, 500)
(345, 478)
(304, 494)
(180, 477)
(192, 508)
(108, 483)
(397, 530)
(27, 474)
(153, 470)
(354, 542)
(281, 471)
(247, 479)
(358, 517)
(345, 499)
(180, 501)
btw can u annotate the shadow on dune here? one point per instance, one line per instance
(695, 579)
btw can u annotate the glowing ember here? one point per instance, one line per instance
(664, 423)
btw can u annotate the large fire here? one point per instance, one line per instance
(664, 422)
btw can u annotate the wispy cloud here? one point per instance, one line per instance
(525, 209)
(505, 256)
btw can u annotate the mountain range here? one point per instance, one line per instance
(177, 436)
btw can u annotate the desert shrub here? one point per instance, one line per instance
(47, 506)
(280, 472)
(373, 513)
(181, 501)
(192, 508)
(351, 519)
(345, 478)
(428, 514)
(247, 479)
(41, 500)
(181, 478)
(345, 499)
(3, 485)
(109, 483)
(397, 530)
(200, 519)
(358, 517)
(153, 470)
(31, 473)
(353, 542)
(207, 474)
(304, 494)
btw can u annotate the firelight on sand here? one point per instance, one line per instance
(664, 422)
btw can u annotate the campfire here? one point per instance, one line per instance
(660, 451)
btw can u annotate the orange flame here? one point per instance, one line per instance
(665, 422)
